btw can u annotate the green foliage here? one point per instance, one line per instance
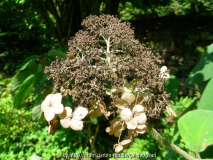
(140, 9)
(31, 76)
(203, 70)
(206, 100)
(172, 87)
(197, 135)
(184, 104)
(142, 146)
(20, 137)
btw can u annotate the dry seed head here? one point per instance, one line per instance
(87, 65)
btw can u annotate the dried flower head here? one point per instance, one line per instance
(104, 56)
(109, 72)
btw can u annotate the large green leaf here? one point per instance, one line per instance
(172, 87)
(196, 129)
(32, 57)
(24, 90)
(36, 112)
(54, 52)
(203, 70)
(23, 73)
(206, 101)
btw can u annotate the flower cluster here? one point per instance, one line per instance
(107, 72)
(74, 120)
(52, 107)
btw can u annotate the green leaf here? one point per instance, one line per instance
(94, 120)
(206, 101)
(36, 112)
(23, 73)
(26, 65)
(172, 87)
(203, 70)
(54, 52)
(39, 74)
(196, 129)
(24, 90)
(32, 57)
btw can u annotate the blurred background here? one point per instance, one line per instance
(33, 33)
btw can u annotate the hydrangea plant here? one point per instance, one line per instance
(108, 72)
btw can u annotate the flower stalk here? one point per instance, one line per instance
(165, 143)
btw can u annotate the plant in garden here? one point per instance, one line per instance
(109, 73)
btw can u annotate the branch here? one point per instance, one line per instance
(165, 143)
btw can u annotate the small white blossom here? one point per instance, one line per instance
(163, 74)
(52, 105)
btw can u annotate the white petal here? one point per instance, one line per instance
(58, 108)
(118, 148)
(48, 97)
(56, 98)
(76, 125)
(126, 114)
(163, 69)
(141, 118)
(138, 109)
(65, 122)
(45, 105)
(125, 142)
(132, 124)
(49, 114)
(68, 111)
(80, 113)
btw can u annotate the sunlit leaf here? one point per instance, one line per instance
(203, 70)
(206, 101)
(196, 129)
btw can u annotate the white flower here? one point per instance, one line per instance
(73, 120)
(163, 73)
(52, 105)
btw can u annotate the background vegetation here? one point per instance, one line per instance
(32, 33)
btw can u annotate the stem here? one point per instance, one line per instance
(181, 84)
(165, 143)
